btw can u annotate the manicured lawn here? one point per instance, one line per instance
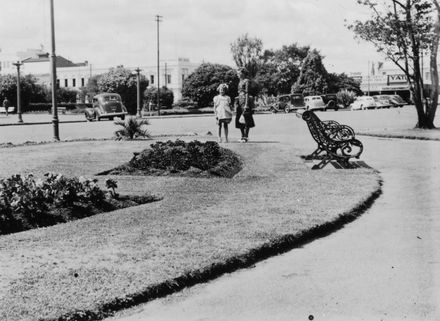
(201, 228)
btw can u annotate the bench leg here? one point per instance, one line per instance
(315, 154)
(322, 163)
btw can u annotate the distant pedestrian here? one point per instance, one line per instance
(6, 105)
(244, 106)
(223, 111)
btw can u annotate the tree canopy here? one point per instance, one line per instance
(122, 81)
(201, 86)
(404, 30)
(313, 76)
(247, 53)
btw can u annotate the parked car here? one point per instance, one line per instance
(362, 103)
(382, 101)
(106, 105)
(287, 103)
(397, 101)
(330, 101)
(314, 103)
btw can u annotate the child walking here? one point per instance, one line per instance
(223, 111)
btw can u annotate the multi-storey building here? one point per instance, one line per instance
(72, 75)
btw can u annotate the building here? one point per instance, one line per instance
(387, 78)
(72, 75)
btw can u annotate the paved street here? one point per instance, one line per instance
(383, 266)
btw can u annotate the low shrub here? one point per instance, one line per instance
(27, 202)
(132, 127)
(179, 156)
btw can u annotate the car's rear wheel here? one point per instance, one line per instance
(287, 110)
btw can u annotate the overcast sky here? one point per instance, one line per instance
(123, 32)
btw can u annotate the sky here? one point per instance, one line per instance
(108, 33)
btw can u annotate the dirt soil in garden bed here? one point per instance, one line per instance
(87, 265)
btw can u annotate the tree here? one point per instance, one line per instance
(403, 30)
(247, 54)
(166, 96)
(201, 86)
(313, 76)
(280, 68)
(122, 81)
(337, 82)
(30, 90)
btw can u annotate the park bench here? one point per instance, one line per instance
(336, 142)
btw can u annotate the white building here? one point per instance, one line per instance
(76, 75)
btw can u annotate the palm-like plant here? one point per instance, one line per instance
(132, 127)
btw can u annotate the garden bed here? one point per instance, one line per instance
(178, 158)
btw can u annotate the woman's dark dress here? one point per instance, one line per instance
(239, 104)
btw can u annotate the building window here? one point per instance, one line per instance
(152, 79)
(168, 79)
(82, 82)
(66, 82)
(73, 82)
(58, 83)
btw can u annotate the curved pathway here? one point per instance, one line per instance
(383, 266)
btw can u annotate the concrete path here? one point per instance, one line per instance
(383, 266)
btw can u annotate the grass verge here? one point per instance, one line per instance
(87, 269)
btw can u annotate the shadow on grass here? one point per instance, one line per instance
(274, 247)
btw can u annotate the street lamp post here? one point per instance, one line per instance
(138, 92)
(158, 19)
(53, 60)
(18, 64)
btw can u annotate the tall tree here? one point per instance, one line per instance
(403, 30)
(201, 86)
(313, 76)
(337, 82)
(281, 68)
(247, 53)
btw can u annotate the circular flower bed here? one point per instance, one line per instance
(181, 158)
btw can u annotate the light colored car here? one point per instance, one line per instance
(382, 101)
(362, 103)
(397, 101)
(106, 105)
(314, 103)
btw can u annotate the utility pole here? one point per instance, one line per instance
(138, 92)
(53, 60)
(166, 80)
(158, 19)
(368, 78)
(18, 64)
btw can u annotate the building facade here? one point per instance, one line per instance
(387, 78)
(72, 75)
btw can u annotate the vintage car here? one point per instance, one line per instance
(397, 101)
(287, 103)
(330, 101)
(314, 103)
(363, 102)
(382, 101)
(106, 105)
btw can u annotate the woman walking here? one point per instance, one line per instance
(223, 112)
